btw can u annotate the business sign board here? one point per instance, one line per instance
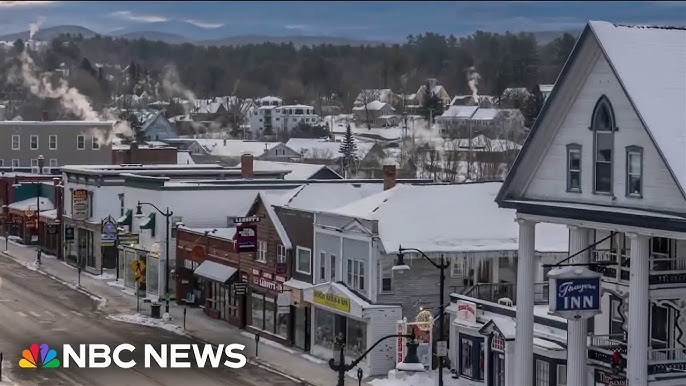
(400, 329)
(337, 302)
(108, 237)
(69, 233)
(246, 238)
(79, 204)
(574, 292)
(242, 220)
(129, 239)
(466, 311)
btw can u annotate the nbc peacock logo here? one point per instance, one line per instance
(39, 356)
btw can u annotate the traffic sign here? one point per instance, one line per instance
(138, 268)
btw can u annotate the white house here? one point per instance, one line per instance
(606, 158)
(273, 117)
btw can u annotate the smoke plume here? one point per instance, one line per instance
(473, 78)
(33, 27)
(172, 86)
(43, 87)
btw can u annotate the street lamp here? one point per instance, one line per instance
(167, 215)
(400, 267)
(339, 366)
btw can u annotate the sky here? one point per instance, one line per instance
(367, 20)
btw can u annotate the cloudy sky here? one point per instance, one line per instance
(388, 21)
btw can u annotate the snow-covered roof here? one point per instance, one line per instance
(325, 196)
(269, 99)
(546, 87)
(460, 111)
(221, 233)
(382, 95)
(49, 214)
(298, 171)
(374, 105)
(485, 114)
(450, 218)
(313, 148)
(235, 147)
(651, 64)
(31, 203)
(184, 158)
(276, 222)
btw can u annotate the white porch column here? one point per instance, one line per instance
(577, 330)
(524, 337)
(639, 311)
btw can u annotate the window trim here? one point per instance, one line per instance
(53, 164)
(385, 272)
(638, 150)
(603, 102)
(297, 260)
(95, 144)
(332, 268)
(77, 142)
(281, 254)
(12, 163)
(50, 137)
(572, 148)
(261, 255)
(31, 137)
(18, 137)
(322, 266)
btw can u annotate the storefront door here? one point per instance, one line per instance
(302, 328)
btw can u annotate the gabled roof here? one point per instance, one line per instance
(266, 200)
(448, 218)
(313, 148)
(315, 197)
(630, 51)
(660, 96)
(298, 171)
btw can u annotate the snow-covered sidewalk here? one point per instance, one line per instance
(121, 306)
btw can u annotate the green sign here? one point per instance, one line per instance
(129, 239)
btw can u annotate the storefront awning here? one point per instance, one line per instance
(215, 271)
(149, 223)
(126, 219)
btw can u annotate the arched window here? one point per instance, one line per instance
(603, 127)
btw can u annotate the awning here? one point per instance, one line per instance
(149, 223)
(215, 271)
(126, 219)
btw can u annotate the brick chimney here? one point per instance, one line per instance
(247, 170)
(388, 176)
(45, 115)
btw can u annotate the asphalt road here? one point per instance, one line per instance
(37, 309)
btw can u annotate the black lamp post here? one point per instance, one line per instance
(341, 367)
(401, 266)
(167, 215)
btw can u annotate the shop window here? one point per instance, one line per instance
(542, 373)
(151, 273)
(356, 338)
(262, 251)
(466, 357)
(561, 375)
(263, 313)
(324, 328)
(304, 261)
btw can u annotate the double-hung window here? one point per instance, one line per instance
(386, 271)
(542, 373)
(52, 142)
(80, 142)
(16, 142)
(262, 251)
(574, 168)
(33, 142)
(634, 171)
(280, 254)
(332, 260)
(603, 128)
(303, 260)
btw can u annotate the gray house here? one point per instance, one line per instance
(158, 128)
(59, 142)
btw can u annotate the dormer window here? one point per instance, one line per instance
(603, 127)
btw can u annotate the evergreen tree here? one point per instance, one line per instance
(532, 106)
(348, 150)
(432, 105)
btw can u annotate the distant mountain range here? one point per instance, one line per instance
(162, 32)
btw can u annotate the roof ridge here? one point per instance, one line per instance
(646, 26)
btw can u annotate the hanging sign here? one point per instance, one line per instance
(246, 238)
(574, 292)
(79, 204)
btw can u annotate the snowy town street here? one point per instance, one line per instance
(34, 308)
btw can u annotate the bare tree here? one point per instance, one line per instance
(366, 97)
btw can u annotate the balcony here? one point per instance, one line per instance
(660, 360)
(664, 270)
(493, 292)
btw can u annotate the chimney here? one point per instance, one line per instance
(388, 176)
(246, 166)
(45, 115)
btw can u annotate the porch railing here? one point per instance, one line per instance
(667, 355)
(664, 270)
(492, 292)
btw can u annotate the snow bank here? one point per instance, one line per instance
(103, 276)
(396, 378)
(143, 320)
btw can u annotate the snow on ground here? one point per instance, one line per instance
(269, 343)
(313, 359)
(116, 283)
(414, 379)
(103, 276)
(143, 320)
